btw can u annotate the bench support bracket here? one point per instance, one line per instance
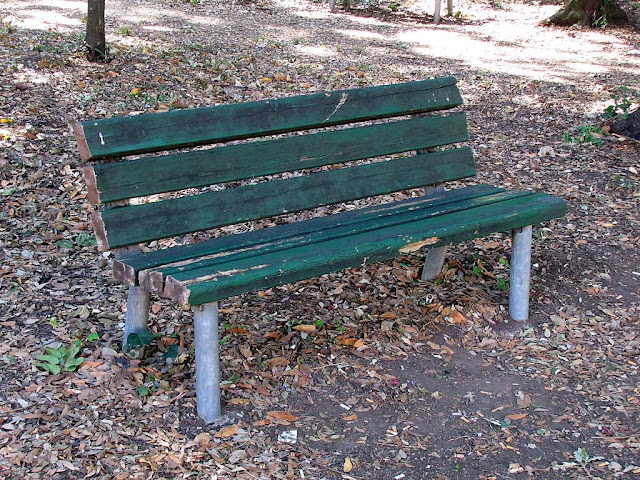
(433, 263)
(135, 319)
(207, 361)
(520, 273)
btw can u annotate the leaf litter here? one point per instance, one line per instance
(378, 374)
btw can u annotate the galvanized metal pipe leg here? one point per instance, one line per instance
(207, 361)
(520, 273)
(433, 263)
(137, 315)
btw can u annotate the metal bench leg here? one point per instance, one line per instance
(520, 273)
(433, 263)
(135, 319)
(207, 361)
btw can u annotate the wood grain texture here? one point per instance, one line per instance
(122, 136)
(147, 176)
(141, 223)
(81, 140)
(375, 218)
(266, 271)
(176, 256)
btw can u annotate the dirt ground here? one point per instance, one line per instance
(402, 379)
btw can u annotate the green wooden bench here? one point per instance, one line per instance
(201, 273)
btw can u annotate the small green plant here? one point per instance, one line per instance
(57, 359)
(139, 340)
(586, 134)
(93, 336)
(622, 103)
(54, 322)
(502, 284)
(124, 31)
(319, 323)
(503, 261)
(142, 390)
(619, 181)
(339, 326)
(393, 6)
(583, 458)
(477, 271)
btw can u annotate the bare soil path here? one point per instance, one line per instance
(440, 387)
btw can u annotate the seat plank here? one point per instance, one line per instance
(134, 224)
(114, 181)
(265, 271)
(120, 136)
(127, 267)
(375, 218)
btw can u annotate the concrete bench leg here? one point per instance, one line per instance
(433, 263)
(207, 361)
(137, 315)
(520, 273)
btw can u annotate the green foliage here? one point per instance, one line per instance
(138, 340)
(622, 103)
(93, 336)
(586, 134)
(82, 240)
(124, 31)
(62, 358)
(619, 181)
(502, 284)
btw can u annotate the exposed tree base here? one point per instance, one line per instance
(95, 36)
(628, 127)
(592, 13)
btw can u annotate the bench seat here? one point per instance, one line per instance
(222, 267)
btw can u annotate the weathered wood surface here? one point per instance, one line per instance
(372, 218)
(129, 225)
(134, 178)
(265, 271)
(128, 266)
(122, 136)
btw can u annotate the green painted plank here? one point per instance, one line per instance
(309, 261)
(377, 219)
(161, 131)
(148, 176)
(142, 223)
(158, 258)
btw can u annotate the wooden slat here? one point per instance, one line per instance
(142, 223)
(266, 271)
(128, 266)
(134, 178)
(146, 133)
(374, 219)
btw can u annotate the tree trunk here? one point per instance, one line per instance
(628, 127)
(592, 13)
(95, 37)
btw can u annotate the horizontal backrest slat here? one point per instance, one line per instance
(118, 227)
(121, 136)
(114, 181)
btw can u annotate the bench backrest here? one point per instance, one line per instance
(112, 182)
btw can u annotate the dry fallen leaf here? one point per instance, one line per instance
(414, 247)
(516, 416)
(457, 317)
(305, 328)
(282, 415)
(226, 432)
(348, 466)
